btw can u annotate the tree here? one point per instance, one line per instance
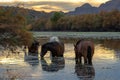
(56, 16)
(14, 35)
(12, 29)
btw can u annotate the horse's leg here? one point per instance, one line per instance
(85, 59)
(61, 55)
(76, 58)
(90, 60)
(53, 54)
(89, 55)
(80, 59)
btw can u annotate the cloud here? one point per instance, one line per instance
(66, 6)
(52, 5)
(48, 8)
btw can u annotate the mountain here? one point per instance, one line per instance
(32, 14)
(84, 9)
(110, 5)
(88, 9)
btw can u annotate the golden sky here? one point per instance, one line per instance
(51, 5)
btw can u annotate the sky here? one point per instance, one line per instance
(51, 5)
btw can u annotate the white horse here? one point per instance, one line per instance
(53, 39)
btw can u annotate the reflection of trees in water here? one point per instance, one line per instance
(13, 74)
(11, 51)
(113, 45)
(117, 55)
(85, 72)
(55, 65)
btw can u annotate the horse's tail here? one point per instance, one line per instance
(89, 55)
(62, 49)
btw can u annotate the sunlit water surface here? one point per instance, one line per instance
(106, 65)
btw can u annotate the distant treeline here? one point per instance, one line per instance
(103, 21)
(59, 21)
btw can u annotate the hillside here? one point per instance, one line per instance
(27, 12)
(88, 9)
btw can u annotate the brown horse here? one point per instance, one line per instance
(84, 49)
(56, 49)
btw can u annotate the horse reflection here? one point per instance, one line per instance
(84, 49)
(85, 72)
(31, 60)
(55, 65)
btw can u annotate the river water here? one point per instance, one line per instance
(106, 64)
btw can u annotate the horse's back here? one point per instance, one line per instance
(89, 45)
(84, 45)
(59, 47)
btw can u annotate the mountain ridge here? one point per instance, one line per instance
(89, 9)
(84, 9)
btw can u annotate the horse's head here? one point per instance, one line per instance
(36, 43)
(33, 48)
(76, 45)
(43, 50)
(75, 48)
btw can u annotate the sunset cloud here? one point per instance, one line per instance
(48, 8)
(99, 1)
(51, 5)
(54, 6)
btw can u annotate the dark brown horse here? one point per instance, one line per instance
(33, 49)
(84, 49)
(56, 49)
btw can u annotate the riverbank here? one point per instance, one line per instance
(93, 35)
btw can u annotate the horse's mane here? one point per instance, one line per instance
(79, 41)
(54, 39)
(49, 43)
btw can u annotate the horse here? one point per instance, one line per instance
(33, 49)
(56, 49)
(85, 49)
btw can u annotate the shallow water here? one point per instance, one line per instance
(106, 64)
